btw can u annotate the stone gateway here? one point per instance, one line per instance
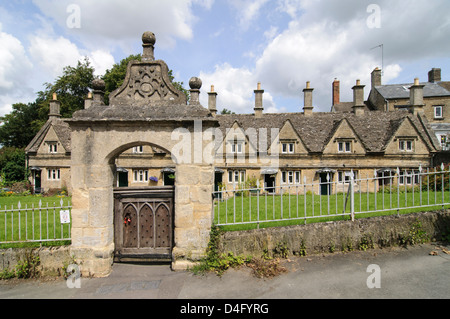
(145, 110)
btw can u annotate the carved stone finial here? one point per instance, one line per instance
(195, 83)
(148, 43)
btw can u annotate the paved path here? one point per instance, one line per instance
(402, 273)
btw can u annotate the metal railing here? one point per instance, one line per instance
(388, 192)
(35, 223)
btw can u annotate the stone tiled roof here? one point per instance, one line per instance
(401, 91)
(62, 130)
(375, 129)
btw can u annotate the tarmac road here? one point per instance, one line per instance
(398, 273)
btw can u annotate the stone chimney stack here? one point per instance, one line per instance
(98, 86)
(88, 101)
(308, 99)
(336, 92)
(148, 43)
(195, 84)
(434, 75)
(416, 97)
(55, 108)
(376, 78)
(212, 97)
(259, 101)
(358, 98)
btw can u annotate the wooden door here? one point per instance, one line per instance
(143, 223)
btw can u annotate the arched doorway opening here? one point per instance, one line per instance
(144, 208)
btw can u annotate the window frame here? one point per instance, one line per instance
(441, 109)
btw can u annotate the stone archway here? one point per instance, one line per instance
(145, 109)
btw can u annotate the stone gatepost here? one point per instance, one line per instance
(146, 110)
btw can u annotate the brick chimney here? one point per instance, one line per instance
(212, 97)
(434, 75)
(259, 101)
(416, 97)
(336, 92)
(308, 98)
(55, 108)
(358, 98)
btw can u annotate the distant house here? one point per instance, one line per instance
(432, 100)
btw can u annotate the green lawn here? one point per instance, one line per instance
(275, 210)
(37, 219)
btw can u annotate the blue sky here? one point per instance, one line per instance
(232, 45)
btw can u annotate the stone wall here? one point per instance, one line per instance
(53, 261)
(323, 237)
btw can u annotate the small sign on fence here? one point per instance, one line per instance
(64, 216)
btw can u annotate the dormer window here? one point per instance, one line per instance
(53, 147)
(345, 147)
(236, 147)
(406, 145)
(287, 148)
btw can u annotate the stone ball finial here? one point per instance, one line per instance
(195, 83)
(98, 85)
(149, 38)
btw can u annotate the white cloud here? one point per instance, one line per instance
(14, 72)
(111, 23)
(235, 87)
(247, 11)
(101, 61)
(331, 39)
(53, 55)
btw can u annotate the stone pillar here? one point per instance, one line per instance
(195, 85)
(193, 188)
(92, 202)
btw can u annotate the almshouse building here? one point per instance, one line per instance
(142, 170)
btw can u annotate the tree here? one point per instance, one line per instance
(20, 126)
(12, 164)
(226, 111)
(71, 88)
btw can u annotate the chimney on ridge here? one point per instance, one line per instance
(358, 98)
(308, 99)
(259, 101)
(434, 75)
(336, 92)
(212, 97)
(416, 97)
(376, 77)
(55, 108)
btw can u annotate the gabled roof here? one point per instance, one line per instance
(62, 130)
(374, 129)
(401, 91)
